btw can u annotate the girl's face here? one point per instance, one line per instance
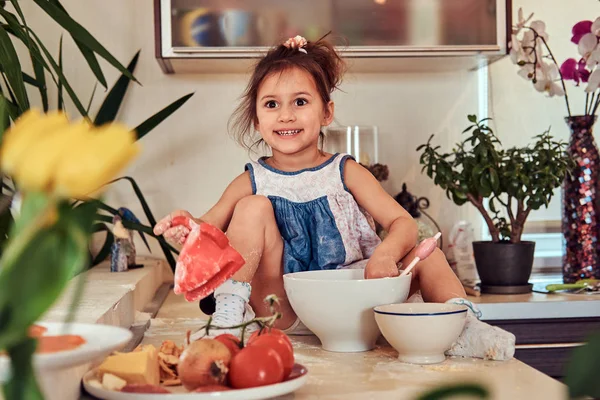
(290, 111)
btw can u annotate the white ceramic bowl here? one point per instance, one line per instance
(59, 374)
(337, 305)
(421, 332)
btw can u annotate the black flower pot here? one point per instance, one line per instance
(504, 267)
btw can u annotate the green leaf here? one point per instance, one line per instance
(10, 92)
(61, 76)
(81, 35)
(459, 198)
(106, 247)
(486, 188)
(40, 76)
(582, 368)
(87, 110)
(494, 180)
(11, 109)
(4, 116)
(37, 61)
(33, 205)
(101, 205)
(88, 54)
(49, 256)
(6, 221)
(492, 206)
(27, 79)
(448, 391)
(472, 118)
(47, 276)
(160, 116)
(11, 66)
(22, 385)
(110, 107)
(60, 101)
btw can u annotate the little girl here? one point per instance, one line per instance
(303, 209)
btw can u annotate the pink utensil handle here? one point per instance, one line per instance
(424, 249)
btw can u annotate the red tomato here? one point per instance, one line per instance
(281, 344)
(271, 331)
(211, 388)
(231, 341)
(255, 366)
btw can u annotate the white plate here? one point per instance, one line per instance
(297, 379)
(100, 341)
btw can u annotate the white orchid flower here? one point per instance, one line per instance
(594, 58)
(522, 50)
(546, 80)
(528, 39)
(540, 28)
(593, 81)
(596, 27)
(587, 44)
(526, 72)
(521, 22)
(518, 53)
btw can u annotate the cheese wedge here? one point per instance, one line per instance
(112, 382)
(135, 367)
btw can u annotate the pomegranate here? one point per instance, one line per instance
(204, 362)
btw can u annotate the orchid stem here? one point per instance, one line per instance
(562, 81)
(587, 96)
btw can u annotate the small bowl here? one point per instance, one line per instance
(337, 305)
(59, 374)
(421, 332)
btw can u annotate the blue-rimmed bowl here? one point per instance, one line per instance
(421, 332)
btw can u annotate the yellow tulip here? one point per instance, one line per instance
(28, 129)
(35, 169)
(47, 153)
(95, 160)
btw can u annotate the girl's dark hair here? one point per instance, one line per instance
(321, 61)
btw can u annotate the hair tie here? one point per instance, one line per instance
(297, 42)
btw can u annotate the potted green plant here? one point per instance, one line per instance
(505, 185)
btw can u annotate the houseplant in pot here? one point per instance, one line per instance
(505, 185)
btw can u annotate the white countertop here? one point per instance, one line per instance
(375, 374)
(537, 306)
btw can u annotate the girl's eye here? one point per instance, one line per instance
(271, 104)
(301, 102)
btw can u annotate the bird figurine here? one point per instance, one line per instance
(122, 252)
(127, 215)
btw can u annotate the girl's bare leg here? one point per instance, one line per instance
(254, 234)
(434, 277)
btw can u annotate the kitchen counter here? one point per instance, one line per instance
(124, 299)
(547, 326)
(375, 374)
(537, 306)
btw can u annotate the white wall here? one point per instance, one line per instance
(189, 160)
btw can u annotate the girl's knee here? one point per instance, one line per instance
(437, 259)
(254, 207)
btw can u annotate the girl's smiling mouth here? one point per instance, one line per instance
(288, 132)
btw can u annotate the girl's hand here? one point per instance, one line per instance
(381, 267)
(174, 234)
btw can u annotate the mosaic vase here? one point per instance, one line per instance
(581, 203)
